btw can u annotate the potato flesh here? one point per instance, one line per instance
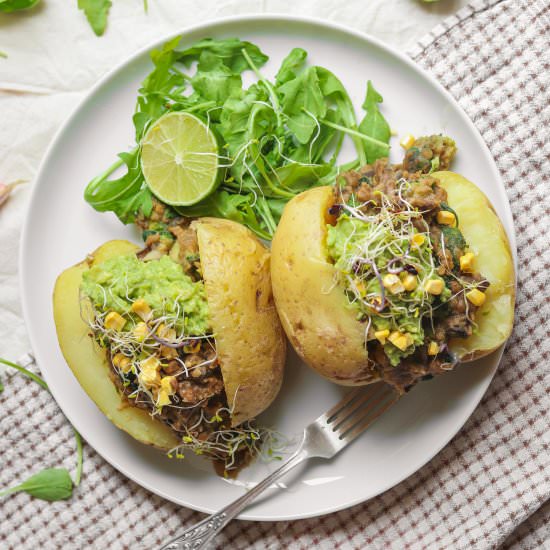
(89, 363)
(487, 239)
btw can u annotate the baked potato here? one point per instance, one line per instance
(392, 276)
(186, 346)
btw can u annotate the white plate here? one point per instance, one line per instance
(61, 228)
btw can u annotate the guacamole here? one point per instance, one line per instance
(115, 284)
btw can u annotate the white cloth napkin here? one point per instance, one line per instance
(488, 487)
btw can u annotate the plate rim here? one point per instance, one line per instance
(205, 26)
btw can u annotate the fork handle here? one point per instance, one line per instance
(202, 533)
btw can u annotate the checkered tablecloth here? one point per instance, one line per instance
(488, 487)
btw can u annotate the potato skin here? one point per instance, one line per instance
(249, 339)
(89, 363)
(314, 311)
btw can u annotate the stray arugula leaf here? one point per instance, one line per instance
(51, 483)
(374, 125)
(1, 386)
(96, 12)
(9, 6)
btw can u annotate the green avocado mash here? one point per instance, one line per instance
(356, 247)
(115, 284)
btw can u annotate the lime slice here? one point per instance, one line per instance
(179, 159)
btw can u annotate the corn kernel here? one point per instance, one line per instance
(149, 378)
(400, 340)
(122, 363)
(167, 352)
(167, 386)
(114, 321)
(407, 141)
(444, 217)
(409, 282)
(467, 263)
(476, 297)
(192, 348)
(418, 239)
(141, 308)
(361, 289)
(163, 399)
(381, 335)
(434, 286)
(140, 332)
(166, 333)
(151, 363)
(433, 348)
(393, 283)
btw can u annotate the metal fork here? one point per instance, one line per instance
(323, 438)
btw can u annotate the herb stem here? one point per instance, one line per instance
(26, 372)
(353, 133)
(267, 85)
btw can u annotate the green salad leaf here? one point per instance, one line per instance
(374, 124)
(9, 6)
(96, 12)
(278, 137)
(51, 484)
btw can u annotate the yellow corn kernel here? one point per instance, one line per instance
(114, 321)
(434, 286)
(409, 282)
(433, 348)
(407, 141)
(141, 308)
(140, 332)
(151, 363)
(168, 352)
(149, 378)
(122, 363)
(163, 399)
(400, 340)
(444, 217)
(381, 335)
(166, 333)
(192, 348)
(167, 386)
(393, 283)
(418, 239)
(467, 262)
(361, 289)
(476, 297)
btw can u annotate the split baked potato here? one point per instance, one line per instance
(241, 367)
(317, 302)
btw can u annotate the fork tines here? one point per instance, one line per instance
(358, 409)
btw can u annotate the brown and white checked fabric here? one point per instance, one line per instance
(488, 487)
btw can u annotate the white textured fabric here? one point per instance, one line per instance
(488, 487)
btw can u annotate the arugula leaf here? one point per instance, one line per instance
(126, 196)
(1, 386)
(51, 484)
(299, 177)
(290, 65)
(374, 125)
(304, 103)
(9, 6)
(214, 80)
(96, 12)
(229, 51)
